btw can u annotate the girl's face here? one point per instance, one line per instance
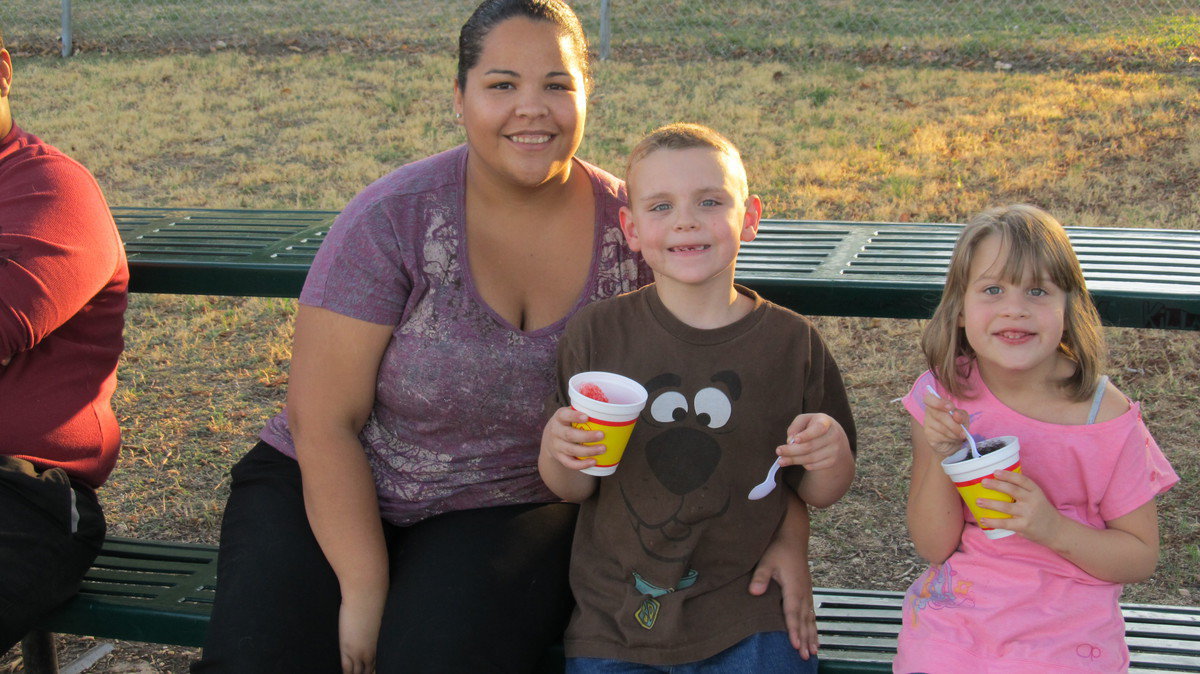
(523, 105)
(1013, 327)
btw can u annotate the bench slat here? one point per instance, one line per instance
(882, 649)
(1180, 614)
(1167, 663)
(1176, 632)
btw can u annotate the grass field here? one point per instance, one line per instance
(1129, 33)
(822, 139)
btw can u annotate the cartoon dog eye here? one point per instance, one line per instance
(668, 407)
(712, 407)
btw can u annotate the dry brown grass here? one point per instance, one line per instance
(828, 140)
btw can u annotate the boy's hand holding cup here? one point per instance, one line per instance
(612, 404)
(565, 440)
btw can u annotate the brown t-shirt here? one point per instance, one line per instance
(676, 513)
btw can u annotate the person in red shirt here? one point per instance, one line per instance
(63, 284)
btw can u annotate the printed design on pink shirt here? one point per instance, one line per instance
(1089, 651)
(937, 589)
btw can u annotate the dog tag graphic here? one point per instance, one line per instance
(647, 613)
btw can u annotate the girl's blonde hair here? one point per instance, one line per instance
(1033, 239)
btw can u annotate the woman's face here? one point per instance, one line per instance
(524, 104)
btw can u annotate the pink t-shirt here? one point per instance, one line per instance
(1011, 605)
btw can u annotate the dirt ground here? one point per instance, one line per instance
(126, 657)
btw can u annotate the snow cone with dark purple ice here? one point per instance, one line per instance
(968, 473)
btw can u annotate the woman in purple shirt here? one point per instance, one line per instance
(393, 518)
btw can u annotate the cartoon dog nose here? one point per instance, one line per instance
(682, 459)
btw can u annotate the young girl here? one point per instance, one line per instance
(1015, 348)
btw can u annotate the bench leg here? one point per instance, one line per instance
(37, 650)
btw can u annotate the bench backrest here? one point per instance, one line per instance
(1146, 278)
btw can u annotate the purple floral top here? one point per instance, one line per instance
(457, 418)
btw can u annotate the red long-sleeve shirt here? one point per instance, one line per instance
(63, 283)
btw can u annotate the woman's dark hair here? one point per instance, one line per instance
(491, 13)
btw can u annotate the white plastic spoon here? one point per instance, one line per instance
(970, 440)
(766, 486)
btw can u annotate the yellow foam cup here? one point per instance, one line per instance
(968, 475)
(616, 418)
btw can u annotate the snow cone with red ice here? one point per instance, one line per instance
(594, 392)
(612, 403)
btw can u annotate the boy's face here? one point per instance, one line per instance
(688, 215)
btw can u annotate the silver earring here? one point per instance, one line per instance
(458, 115)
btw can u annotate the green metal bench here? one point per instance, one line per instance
(162, 592)
(148, 591)
(1141, 278)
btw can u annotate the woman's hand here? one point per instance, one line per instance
(331, 391)
(358, 635)
(1033, 516)
(944, 425)
(785, 561)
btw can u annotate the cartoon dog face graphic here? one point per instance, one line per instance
(682, 426)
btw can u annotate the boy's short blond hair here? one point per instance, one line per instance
(686, 136)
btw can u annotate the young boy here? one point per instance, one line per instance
(665, 547)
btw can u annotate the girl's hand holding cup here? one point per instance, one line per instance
(1033, 516)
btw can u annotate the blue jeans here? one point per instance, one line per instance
(757, 653)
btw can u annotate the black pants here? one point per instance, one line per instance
(473, 591)
(50, 531)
